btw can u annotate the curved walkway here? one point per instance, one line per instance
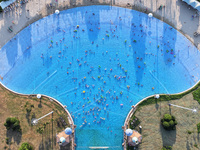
(175, 12)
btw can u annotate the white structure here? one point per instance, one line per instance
(62, 140)
(194, 110)
(39, 96)
(194, 3)
(5, 4)
(129, 132)
(35, 121)
(57, 12)
(68, 131)
(135, 140)
(64, 137)
(157, 96)
(150, 15)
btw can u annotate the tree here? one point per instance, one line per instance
(168, 122)
(12, 123)
(198, 127)
(166, 148)
(167, 117)
(26, 146)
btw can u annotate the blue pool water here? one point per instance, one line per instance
(117, 57)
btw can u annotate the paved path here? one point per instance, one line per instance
(176, 13)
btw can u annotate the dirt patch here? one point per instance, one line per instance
(25, 108)
(185, 137)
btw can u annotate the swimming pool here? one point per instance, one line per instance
(99, 61)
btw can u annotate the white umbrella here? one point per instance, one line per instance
(157, 96)
(62, 140)
(135, 140)
(129, 132)
(68, 131)
(57, 12)
(39, 96)
(150, 15)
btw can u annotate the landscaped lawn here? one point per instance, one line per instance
(185, 137)
(25, 108)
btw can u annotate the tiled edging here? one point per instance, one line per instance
(133, 109)
(50, 98)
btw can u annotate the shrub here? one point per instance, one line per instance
(7, 140)
(198, 127)
(171, 123)
(166, 125)
(12, 123)
(134, 122)
(175, 122)
(166, 148)
(173, 118)
(167, 117)
(28, 110)
(168, 122)
(196, 95)
(26, 146)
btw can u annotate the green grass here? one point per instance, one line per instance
(152, 100)
(196, 95)
(189, 132)
(135, 123)
(198, 127)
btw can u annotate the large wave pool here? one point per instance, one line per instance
(99, 61)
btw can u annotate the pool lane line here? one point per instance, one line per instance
(44, 81)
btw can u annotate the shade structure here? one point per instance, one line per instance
(68, 131)
(57, 12)
(4, 4)
(135, 140)
(157, 96)
(150, 15)
(62, 140)
(194, 3)
(39, 96)
(60, 136)
(129, 132)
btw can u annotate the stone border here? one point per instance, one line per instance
(50, 98)
(133, 109)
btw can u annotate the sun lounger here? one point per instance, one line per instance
(196, 34)
(10, 29)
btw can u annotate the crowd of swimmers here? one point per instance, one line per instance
(100, 107)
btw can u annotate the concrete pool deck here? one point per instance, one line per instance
(175, 12)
